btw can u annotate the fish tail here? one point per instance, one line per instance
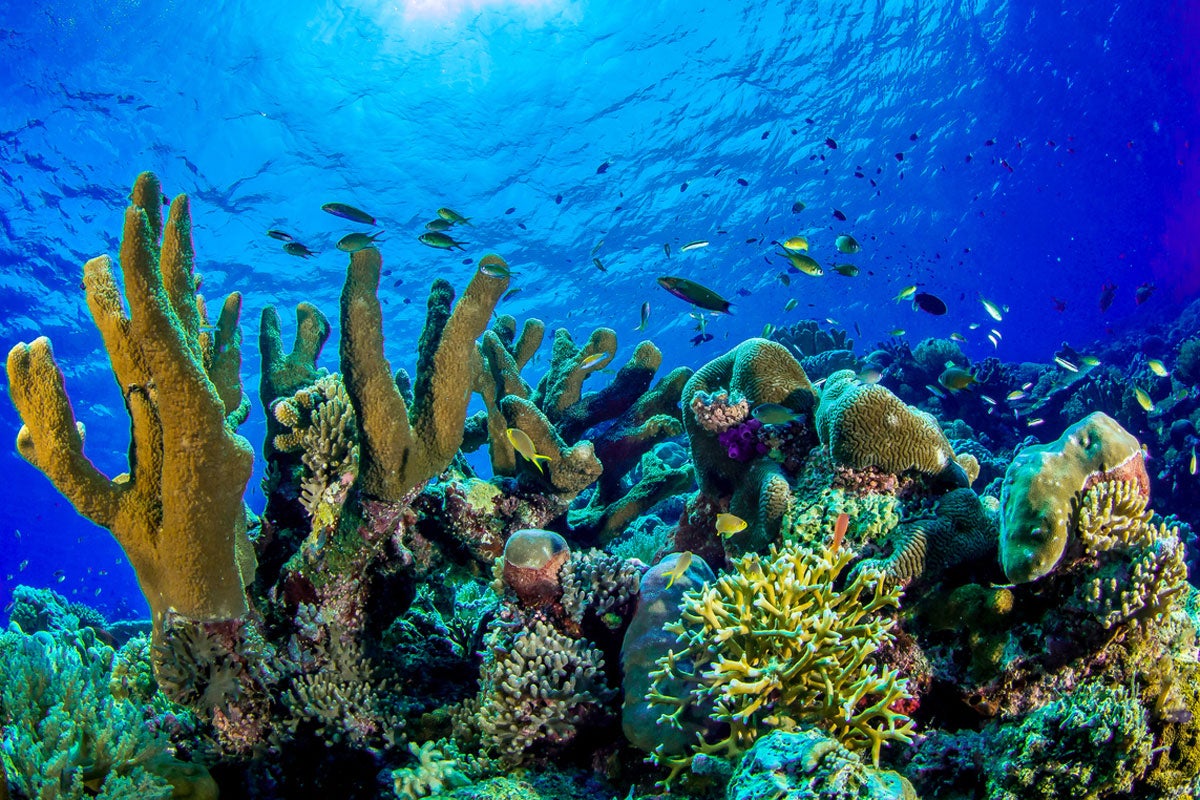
(537, 459)
(670, 580)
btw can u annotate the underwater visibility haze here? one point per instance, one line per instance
(573, 399)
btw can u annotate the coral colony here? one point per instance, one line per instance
(771, 577)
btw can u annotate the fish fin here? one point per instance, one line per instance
(671, 579)
(537, 459)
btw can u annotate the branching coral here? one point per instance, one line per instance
(776, 644)
(435, 772)
(178, 513)
(318, 421)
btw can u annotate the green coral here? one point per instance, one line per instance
(436, 772)
(812, 523)
(1095, 742)
(865, 425)
(1042, 487)
(776, 643)
(64, 734)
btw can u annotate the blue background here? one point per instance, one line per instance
(263, 111)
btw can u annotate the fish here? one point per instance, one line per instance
(996, 333)
(838, 215)
(1143, 399)
(494, 266)
(1067, 365)
(521, 442)
(440, 241)
(439, 224)
(667, 248)
(803, 263)
(681, 566)
(933, 390)
(297, 249)
(839, 531)
(797, 207)
(897, 332)
(696, 245)
(701, 339)
(995, 342)
(785, 279)
(60, 575)
(1033, 423)
(831, 144)
(694, 293)
(789, 305)
(353, 242)
(869, 376)
(1090, 361)
(958, 337)
(1015, 394)
(1192, 463)
(597, 247)
(795, 244)
(1143, 293)
(849, 270)
(603, 168)
(1108, 293)
(847, 244)
(931, 304)
(768, 329)
(280, 235)
(775, 414)
(1059, 305)
(729, 524)
(989, 400)
(906, 292)
(453, 217)
(599, 265)
(24, 563)
(593, 360)
(349, 212)
(1157, 368)
(956, 379)
(511, 293)
(992, 309)
(645, 316)
(974, 326)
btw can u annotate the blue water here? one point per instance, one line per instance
(1055, 149)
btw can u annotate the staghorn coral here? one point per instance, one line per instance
(343, 700)
(401, 447)
(865, 425)
(318, 422)
(1043, 484)
(963, 530)
(178, 514)
(775, 644)
(537, 686)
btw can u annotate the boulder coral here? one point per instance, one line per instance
(1044, 484)
(178, 512)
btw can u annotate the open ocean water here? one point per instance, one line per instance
(1024, 153)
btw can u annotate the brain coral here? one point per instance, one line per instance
(865, 425)
(1045, 483)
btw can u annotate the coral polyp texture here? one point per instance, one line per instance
(180, 380)
(776, 643)
(1044, 483)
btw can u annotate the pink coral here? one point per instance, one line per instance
(716, 414)
(871, 480)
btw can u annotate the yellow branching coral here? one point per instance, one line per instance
(776, 645)
(178, 513)
(319, 422)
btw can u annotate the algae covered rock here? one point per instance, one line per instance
(1043, 486)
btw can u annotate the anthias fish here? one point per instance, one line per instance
(694, 293)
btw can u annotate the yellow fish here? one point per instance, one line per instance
(1192, 467)
(1143, 399)
(768, 329)
(897, 332)
(795, 243)
(789, 305)
(957, 337)
(521, 442)
(1067, 365)
(681, 566)
(593, 360)
(906, 292)
(1089, 361)
(729, 524)
(803, 263)
(1157, 368)
(1016, 394)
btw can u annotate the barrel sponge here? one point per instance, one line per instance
(1044, 485)
(865, 425)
